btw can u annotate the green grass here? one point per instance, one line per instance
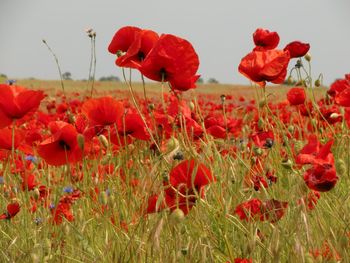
(210, 233)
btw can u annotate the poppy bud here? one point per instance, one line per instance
(260, 124)
(177, 215)
(290, 80)
(104, 198)
(309, 258)
(291, 128)
(172, 144)
(71, 118)
(287, 164)
(151, 106)
(307, 57)
(340, 167)
(262, 103)
(36, 193)
(317, 83)
(81, 141)
(103, 140)
(257, 151)
(334, 115)
(192, 106)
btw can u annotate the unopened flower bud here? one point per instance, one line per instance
(192, 107)
(287, 164)
(317, 83)
(81, 141)
(260, 124)
(257, 151)
(262, 103)
(151, 106)
(103, 140)
(334, 115)
(177, 215)
(291, 128)
(290, 80)
(104, 198)
(36, 193)
(307, 57)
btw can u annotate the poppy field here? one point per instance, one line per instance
(162, 172)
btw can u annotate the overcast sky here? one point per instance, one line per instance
(220, 31)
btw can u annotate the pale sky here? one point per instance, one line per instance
(220, 31)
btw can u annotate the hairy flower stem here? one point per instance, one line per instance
(58, 66)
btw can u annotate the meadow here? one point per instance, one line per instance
(173, 171)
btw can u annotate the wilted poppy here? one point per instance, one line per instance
(297, 49)
(263, 66)
(265, 40)
(321, 177)
(16, 101)
(296, 96)
(62, 147)
(172, 59)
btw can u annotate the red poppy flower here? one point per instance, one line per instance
(15, 102)
(338, 86)
(243, 260)
(139, 49)
(63, 210)
(12, 210)
(262, 66)
(274, 210)
(249, 210)
(62, 147)
(297, 49)
(172, 59)
(296, 96)
(191, 174)
(263, 139)
(313, 153)
(103, 111)
(123, 39)
(265, 40)
(321, 177)
(186, 181)
(6, 138)
(133, 125)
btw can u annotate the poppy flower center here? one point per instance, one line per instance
(64, 145)
(163, 74)
(141, 55)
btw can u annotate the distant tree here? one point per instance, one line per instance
(110, 78)
(213, 81)
(3, 76)
(200, 80)
(67, 75)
